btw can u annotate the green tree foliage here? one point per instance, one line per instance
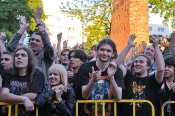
(95, 16)
(166, 8)
(10, 12)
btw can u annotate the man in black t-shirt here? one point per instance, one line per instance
(76, 57)
(142, 85)
(24, 83)
(6, 64)
(167, 91)
(101, 79)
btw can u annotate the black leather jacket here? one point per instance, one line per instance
(66, 107)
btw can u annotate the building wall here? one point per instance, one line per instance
(129, 17)
(158, 30)
(56, 22)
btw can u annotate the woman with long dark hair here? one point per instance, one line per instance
(24, 83)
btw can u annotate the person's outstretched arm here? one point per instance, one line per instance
(122, 55)
(48, 49)
(58, 51)
(159, 74)
(12, 44)
(2, 46)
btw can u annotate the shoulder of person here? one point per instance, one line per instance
(118, 71)
(88, 64)
(38, 70)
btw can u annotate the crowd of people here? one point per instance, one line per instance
(43, 73)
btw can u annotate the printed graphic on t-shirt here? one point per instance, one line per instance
(17, 87)
(100, 91)
(137, 91)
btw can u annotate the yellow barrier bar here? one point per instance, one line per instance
(135, 101)
(36, 111)
(76, 108)
(163, 106)
(9, 110)
(16, 109)
(115, 107)
(121, 101)
(96, 105)
(9, 107)
(96, 108)
(134, 108)
(103, 108)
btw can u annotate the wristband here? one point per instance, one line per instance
(39, 24)
(25, 99)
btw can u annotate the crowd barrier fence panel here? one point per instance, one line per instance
(8, 105)
(163, 106)
(115, 105)
(96, 106)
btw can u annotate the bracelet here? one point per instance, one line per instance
(25, 99)
(39, 24)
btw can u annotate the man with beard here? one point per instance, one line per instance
(142, 85)
(101, 79)
(167, 91)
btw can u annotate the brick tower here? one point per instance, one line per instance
(129, 17)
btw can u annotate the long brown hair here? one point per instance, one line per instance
(30, 66)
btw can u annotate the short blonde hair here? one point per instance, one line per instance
(61, 71)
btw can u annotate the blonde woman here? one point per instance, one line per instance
(58, 90)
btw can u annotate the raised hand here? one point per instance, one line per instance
(59, 91)
(144, 44)
(95, 74)
(131, 40)
(59, 36)
(111, 69)
(83, 45)
(38, 13)
(2, 36)
(65, 43)
(23, 20)
(154, 39)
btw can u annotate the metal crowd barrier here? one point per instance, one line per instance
(16, 107)
(8, 105)
(96, 106)
(115, 105)
(163, 106)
